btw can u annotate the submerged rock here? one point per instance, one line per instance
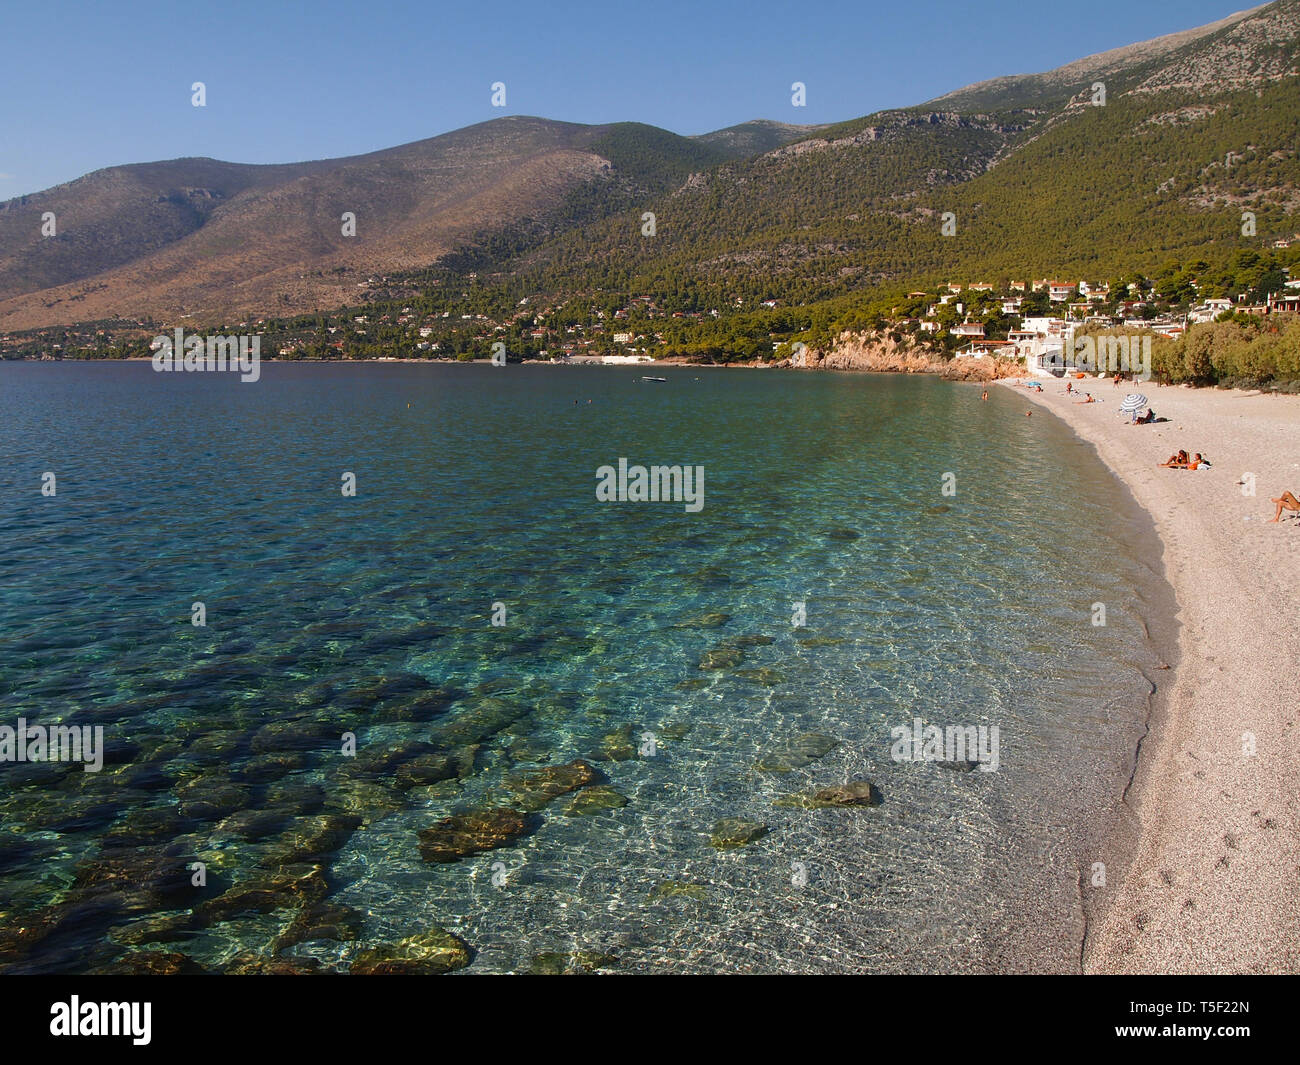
(16, 850)
(153, 963)
(143, 826)
(796, 753)
(138, 878)
(704, 621)
(854, 793)
(312, 838)
(425, 769)
(296, 797)
(207, 799)
(818, 641)
(484, 829)
(752, 640)
(481, 721)
(769, 678)
(383, 759)
(532, 790)
(595, 800)
(710, 577)
(63, 813)
(321, 920)
(723, 657)
(290, 887)
(418, 635)
(736, 832)
(253, 825)
(443, 790)
(570, 963)
(364, 695)
(529, 749)
(422, 707)
(617, 746)
(302, 734)
(427, 954)
(168, 928)
(368, 799)
(273, 765)
(147, 776)
(214, 748)
(55, 938)
(249, 964)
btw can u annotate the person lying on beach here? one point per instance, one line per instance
(1147, 418)
(1286, 501)
(1198, 462)
(1176, 462)
(1088, 400)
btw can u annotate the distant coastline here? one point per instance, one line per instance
(960, 369)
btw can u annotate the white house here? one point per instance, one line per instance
(1049, 327)
(1209, 310)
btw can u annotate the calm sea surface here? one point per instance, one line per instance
(656, 644)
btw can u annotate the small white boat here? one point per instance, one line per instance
(654, 379)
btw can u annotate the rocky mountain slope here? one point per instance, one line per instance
(1196, 128)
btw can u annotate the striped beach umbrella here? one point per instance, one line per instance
(1133, 403)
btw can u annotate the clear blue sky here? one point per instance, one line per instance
(91, 84)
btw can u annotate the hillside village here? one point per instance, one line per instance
(1033, 320)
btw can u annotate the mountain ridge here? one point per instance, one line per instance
(536, 201)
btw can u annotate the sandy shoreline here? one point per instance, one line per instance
(1211, 881)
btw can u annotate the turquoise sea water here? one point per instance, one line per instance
(372, 615)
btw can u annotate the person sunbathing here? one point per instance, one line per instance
(1286, 501)
(1088, 400)
(1198, 461)
(1176, 462)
